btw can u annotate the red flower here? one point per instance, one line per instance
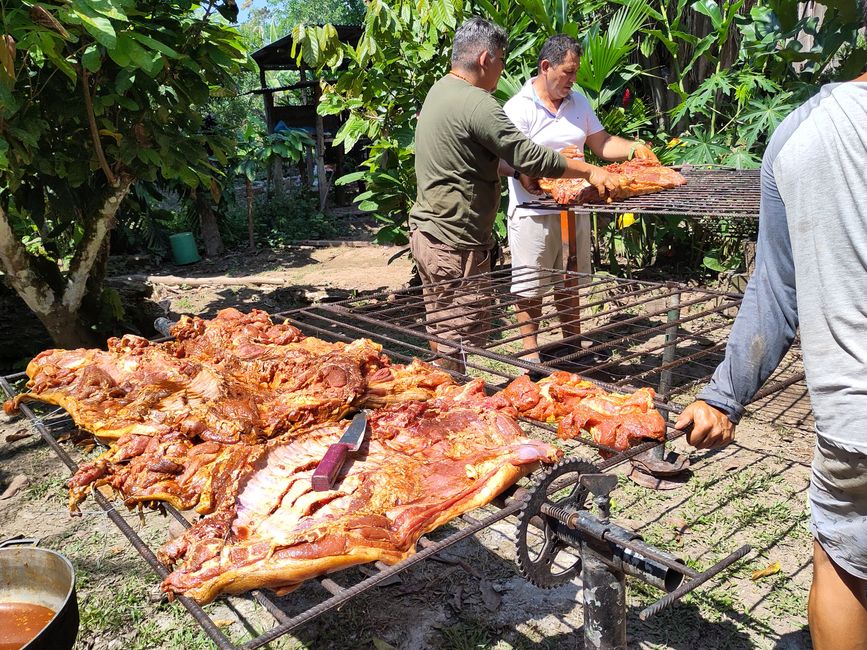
(627, 97)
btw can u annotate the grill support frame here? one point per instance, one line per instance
(332, 321)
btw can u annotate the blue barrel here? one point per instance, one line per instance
(184, 249)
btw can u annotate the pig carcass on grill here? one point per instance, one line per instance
(423, 464)
(232, 417)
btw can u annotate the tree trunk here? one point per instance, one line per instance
(67, 330)
(210, 229)
(56, 299)
(276, 183)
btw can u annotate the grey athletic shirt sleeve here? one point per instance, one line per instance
(813, 238)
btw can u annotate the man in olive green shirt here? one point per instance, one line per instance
(461, 139)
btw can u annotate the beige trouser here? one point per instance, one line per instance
(535, 242)
(457, 305)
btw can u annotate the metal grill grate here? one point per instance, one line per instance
(723, 193)
(285, 613)
(666, 336)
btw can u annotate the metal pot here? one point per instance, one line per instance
(40, 576)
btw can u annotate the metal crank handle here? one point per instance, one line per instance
(699, 579)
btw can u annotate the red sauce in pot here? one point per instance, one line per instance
(20, 622)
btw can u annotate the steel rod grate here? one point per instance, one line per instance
(663, 335)
(722, 193)
(51, 423)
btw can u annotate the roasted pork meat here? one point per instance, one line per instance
(231, 418)
(420, 466)
(642, 177)
(147, 470)
(616, 420)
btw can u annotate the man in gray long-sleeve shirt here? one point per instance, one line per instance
(462, 136)
(811, 272)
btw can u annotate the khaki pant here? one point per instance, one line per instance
(535, 242)
(457, 305)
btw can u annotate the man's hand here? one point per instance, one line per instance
(572, 151)
(606, 183)
(530, 184)
(710, 427)
(641, 151)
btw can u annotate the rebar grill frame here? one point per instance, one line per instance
(709, 192)
(383, 319)
(634, 333)
(469, 523)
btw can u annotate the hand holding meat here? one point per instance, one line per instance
(606, 183)
(639, 177)
(530, 184)
(643, 152)
(710, 427)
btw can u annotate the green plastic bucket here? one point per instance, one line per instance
(184, 248)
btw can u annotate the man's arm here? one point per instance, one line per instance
(496, 132)
(614, 148)
(528, 183)
(762, 332)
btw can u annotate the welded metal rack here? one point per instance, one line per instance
(50, 425)
(633, 333)
(709, 191)
(667, 336)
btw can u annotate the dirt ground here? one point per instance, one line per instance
(752, 492)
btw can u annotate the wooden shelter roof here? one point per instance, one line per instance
(278, 55)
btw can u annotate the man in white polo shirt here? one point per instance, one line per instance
(549, 112)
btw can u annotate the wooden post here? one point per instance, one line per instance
(320, 153)
(268, 98)
(569, 307)
(308, 151)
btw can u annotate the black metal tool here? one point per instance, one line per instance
(560, 536)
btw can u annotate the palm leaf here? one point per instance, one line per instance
(604, 53)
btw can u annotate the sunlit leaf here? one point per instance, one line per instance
(769, 570)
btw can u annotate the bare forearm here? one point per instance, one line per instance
(616, 149)
(577, 168)
(505, 169)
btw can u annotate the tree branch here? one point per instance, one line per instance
(94, 131)
(88, 251)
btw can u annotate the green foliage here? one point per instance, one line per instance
(256, 150)
(146, 219)
(93, 96)
(281, 220)
(399, 56)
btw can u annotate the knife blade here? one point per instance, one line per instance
(331, 463)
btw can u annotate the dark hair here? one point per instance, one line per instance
(474, 37)
(556, 48)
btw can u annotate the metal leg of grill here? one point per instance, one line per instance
(652, 467)
(604, 593)
(570, 315)
(670, 350)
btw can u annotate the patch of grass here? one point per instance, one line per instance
(123, 606)
(785, 599)
(184, 304)
(465, 636)
(179, 631)
(52, 487)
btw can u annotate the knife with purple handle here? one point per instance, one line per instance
(350, 442)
